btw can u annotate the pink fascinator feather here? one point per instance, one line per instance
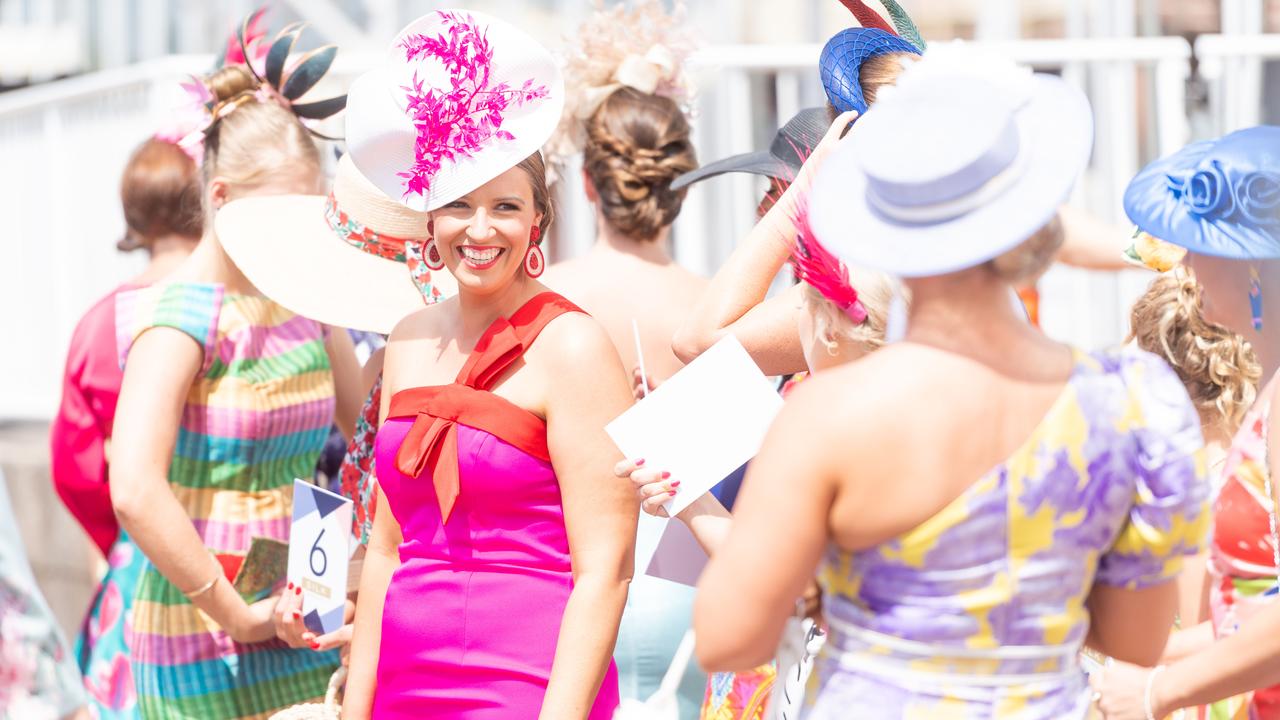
(815, 265)
(253, 45)
(454, 123)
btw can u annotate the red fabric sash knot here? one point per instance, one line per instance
(435, 441)
(432, 440)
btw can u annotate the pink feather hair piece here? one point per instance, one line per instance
(456, 122)
(815, 265)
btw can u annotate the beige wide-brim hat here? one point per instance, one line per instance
(339, 259)
(386, 141)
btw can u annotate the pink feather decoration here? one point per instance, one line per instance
(254, 34)
(815, 265)
(458, 121)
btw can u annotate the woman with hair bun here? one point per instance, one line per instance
(160, 195)
(625, 88)
(226, 398)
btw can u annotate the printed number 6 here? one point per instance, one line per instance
(324, 559)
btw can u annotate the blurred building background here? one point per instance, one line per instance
(83, 81)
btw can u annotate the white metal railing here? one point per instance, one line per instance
(1232, 64)
(62, 146)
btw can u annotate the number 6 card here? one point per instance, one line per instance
(319, 550)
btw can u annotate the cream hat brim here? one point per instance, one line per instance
(286, 248)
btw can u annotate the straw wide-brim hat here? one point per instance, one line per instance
(335, 259)
(966, 158)
(381, 133)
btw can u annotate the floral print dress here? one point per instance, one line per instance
(38, 678)
(979, 611)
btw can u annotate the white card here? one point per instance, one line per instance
(702, 423)
(319, 554)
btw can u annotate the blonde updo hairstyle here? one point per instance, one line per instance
(637, 144)
(1218, 367)
(832, 326)
(257, 141)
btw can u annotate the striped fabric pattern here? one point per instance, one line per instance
(256, 418)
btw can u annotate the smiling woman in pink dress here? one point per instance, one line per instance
(494, 586)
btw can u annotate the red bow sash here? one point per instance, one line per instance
(432, 440)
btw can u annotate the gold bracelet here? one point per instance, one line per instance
(208, 586)
(203, 588)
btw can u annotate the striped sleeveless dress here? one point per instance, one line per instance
(256, 417)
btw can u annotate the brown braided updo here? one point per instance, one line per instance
(637, 144)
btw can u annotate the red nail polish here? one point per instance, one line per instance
(315, 645)
(675, 484)
(640, 462)
(297, 590)
(297, 615)
(665, 474)
(290, 586)
(672, 493)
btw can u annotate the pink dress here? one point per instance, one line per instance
(473, 613)
(79, 433)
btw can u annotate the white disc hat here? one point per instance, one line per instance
(461, 98)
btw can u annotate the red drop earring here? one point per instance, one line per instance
(534, 261)
(431, 254)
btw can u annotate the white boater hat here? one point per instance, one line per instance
(461, 98)
(351, 260)
(966, 158)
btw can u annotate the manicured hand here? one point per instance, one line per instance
(288, 617)
(653, 487)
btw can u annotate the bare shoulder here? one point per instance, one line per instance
(430, 321)
(574, 341)
(869, 394)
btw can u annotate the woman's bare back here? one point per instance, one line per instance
(617, 288)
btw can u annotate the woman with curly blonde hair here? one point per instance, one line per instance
(1221, 373)
(1218, 367)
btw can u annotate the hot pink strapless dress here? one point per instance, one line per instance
(472, 615)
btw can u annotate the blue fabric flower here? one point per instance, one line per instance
(1258, 197)
(1208, 192)
(1214, 197)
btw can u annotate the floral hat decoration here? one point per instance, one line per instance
(644, 48)
(461, 98)
(1215, 197)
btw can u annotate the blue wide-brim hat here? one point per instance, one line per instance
(1214, 197)
(841, 63)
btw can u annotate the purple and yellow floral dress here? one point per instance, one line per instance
(979, 611)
